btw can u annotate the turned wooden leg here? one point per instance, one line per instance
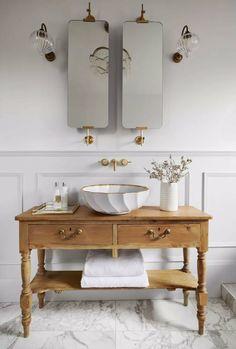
(41, 297)
(186, 270)
(202, 296)
(26, 294)
(186, 260)
(186, 295)
(41, 271)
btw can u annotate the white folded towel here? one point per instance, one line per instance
(115, 281)
(101, 263)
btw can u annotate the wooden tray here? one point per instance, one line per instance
(42, 209)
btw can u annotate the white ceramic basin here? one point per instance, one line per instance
(115, 198)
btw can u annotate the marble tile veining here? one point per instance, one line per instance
(146, 324)
(163, 339)
(67, 339)
(75, 316)
(155, 314)
(10, 324)
(8, 311)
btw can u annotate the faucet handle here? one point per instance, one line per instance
(104, 162)
(124, 162)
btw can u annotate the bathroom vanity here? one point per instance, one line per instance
(147, 227)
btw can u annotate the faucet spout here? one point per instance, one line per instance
(114, 163)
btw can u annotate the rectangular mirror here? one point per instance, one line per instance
(88, 69)
(142, 75)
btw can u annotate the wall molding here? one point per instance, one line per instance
(20, 177)
(139, 152)
(205, 178)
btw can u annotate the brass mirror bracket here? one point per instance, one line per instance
(141, 19)
(89, 18)
(140, 139)
(88, 138)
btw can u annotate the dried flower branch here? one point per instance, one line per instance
(168, 171)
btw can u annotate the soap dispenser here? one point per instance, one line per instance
(64, 196)
(57, 198)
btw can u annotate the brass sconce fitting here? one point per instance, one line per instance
(114, 163)
(177, 57)
(140, 139)
(89, 139)
(186, 44)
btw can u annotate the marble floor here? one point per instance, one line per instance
(144, 324)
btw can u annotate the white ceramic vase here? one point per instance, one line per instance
(169, 197)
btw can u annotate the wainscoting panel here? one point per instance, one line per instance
(11, 201)
(219, 198)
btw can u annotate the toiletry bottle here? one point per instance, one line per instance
(64, 196)
(57, 198)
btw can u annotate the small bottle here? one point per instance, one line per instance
(57, 198)
(64, 196)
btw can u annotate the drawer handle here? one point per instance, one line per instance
(153, 236)
(65, 236)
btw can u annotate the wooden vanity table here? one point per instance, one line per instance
(147, 227)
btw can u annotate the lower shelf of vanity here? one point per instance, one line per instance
(70, 280)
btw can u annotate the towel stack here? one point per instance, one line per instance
(102, 270)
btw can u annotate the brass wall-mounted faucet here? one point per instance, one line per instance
(114, 163)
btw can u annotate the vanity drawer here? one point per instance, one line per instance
(160, 235)
(69, 234)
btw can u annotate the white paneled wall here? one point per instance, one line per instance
(29, 180)
(219, 196)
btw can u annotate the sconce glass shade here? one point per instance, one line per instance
(187, 43)
(43, 43)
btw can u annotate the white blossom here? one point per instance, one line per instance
(168, 171)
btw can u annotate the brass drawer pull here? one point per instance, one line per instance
(65, 236)
(154, 236)
(62, 233)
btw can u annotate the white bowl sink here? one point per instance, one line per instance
(115, 198)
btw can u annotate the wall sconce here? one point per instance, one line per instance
(187, 43)
(43, 43)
